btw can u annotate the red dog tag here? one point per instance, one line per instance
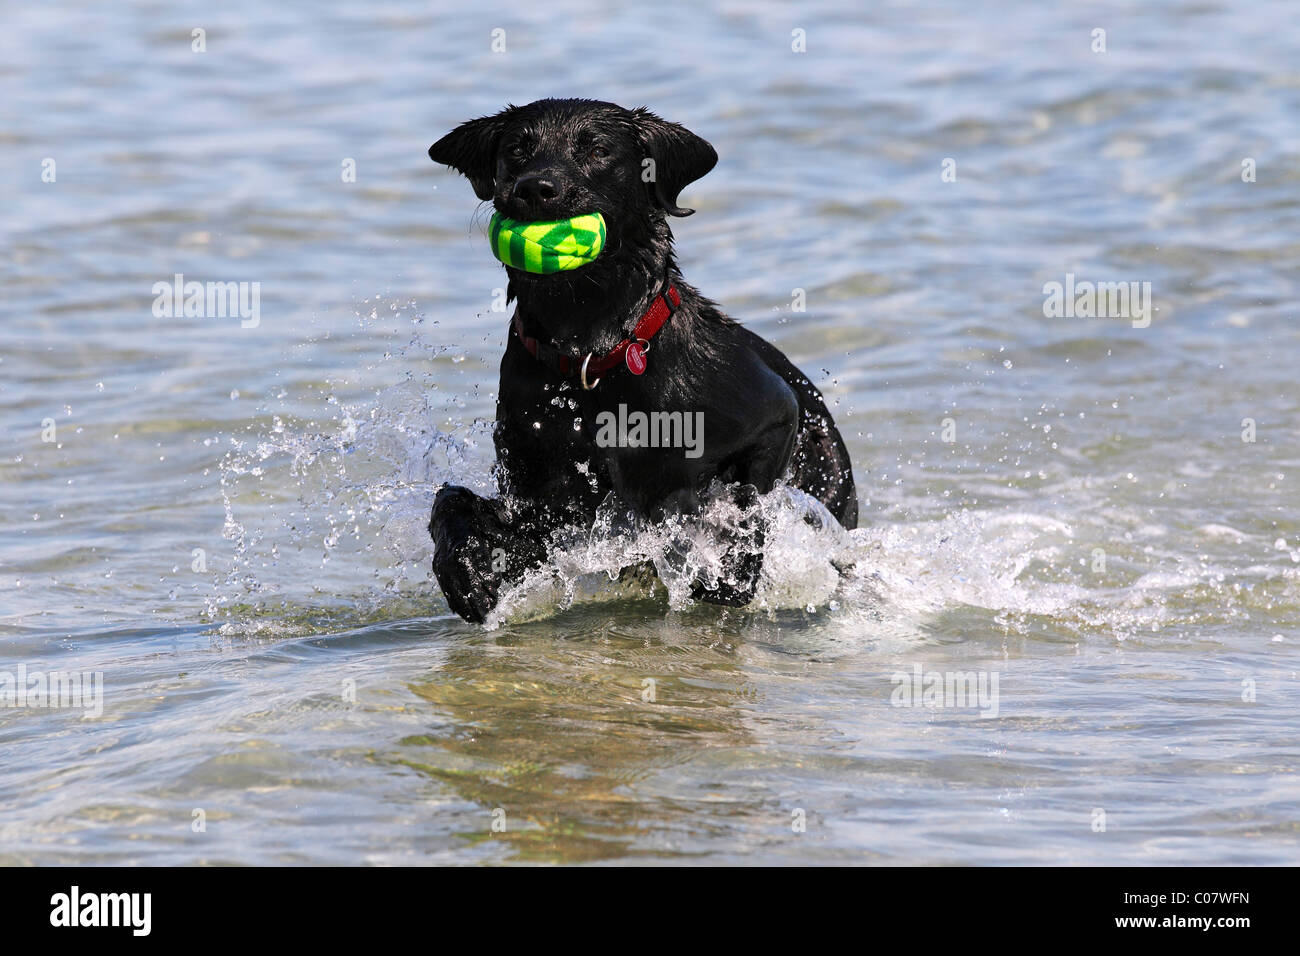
(635, 356)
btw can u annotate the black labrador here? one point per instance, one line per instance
(621, 335)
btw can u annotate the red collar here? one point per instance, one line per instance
(631, 351)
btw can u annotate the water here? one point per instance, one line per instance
(1096, 536)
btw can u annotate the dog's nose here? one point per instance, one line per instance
(535, 190)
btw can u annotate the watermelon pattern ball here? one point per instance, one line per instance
(547, 247)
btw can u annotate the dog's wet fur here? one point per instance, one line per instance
(763, 419)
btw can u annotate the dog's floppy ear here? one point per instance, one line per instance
(471, 149)
(679, 158)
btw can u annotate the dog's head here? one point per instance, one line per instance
(554, 159)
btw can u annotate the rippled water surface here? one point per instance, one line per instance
(228, 522)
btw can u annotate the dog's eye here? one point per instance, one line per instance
(515, 151)
(597, 152)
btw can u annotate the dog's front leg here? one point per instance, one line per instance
(759, 464)
(742, 562)
(476, 551)
(742, 559)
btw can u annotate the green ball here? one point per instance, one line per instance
(547, 247)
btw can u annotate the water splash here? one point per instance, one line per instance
(327, 517)
(327, 520)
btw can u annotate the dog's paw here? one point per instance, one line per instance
(470, 592)
(463, 559)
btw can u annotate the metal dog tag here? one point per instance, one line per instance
(635, 358)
